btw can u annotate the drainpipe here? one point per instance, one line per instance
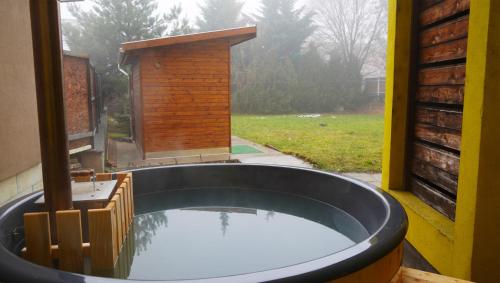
(128, 92)
(50, 103)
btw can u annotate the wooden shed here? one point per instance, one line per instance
(181, 92)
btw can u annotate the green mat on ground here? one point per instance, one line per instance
(244, 149)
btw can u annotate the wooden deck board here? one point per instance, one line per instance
(408, 275)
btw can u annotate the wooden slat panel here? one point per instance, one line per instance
(443, 10)
(187, 109)
(441, 136)
(179, 122)
(193, 134)
(441, 94)
(158, 89)
(439, 117)
(102, 238)
(450, 75)
(69, 235)
(185, 113)
(452, 50)
(449, 31)
(441, 159)
(424, 4)
(433, 198)
(186, 97)
(440, 178)
(37, 238)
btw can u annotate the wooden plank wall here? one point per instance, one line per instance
(76, 98)
(437, 102)
(186, 93)
(137, 106)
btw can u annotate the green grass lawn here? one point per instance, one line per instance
(341, 143)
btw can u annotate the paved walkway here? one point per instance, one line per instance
(267, 155)
(373, 179)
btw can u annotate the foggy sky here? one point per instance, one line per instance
(190, 7)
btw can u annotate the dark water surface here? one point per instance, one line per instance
(195, 234)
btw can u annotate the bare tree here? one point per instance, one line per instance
(354, 30)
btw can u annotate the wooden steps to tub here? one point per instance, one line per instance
(107, 226)
(409, 275)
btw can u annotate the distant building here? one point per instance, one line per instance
(374, 87)
(82, 101)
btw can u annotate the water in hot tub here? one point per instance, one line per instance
(207, 233)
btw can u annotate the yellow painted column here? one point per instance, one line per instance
(477, 227)
(397, 90)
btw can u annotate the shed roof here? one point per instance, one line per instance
(235, 36)
(74, 54)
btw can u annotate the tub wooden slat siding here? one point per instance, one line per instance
(381, 271)
(181, 93)
(102, 236)
(108, 229)
(436, 102)
(121, 200)
(126, 206)
(125, 180)
(37, 237)
(70, 242)
(130, 185)
(118, 218)
(128, 192)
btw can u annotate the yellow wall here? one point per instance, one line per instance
(477, 227)
(397, 87)
(468, 248)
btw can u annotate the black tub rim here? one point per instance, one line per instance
(379, 244)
